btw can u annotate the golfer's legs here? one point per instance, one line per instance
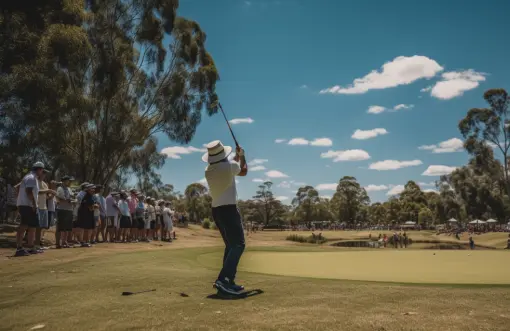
(230, 221)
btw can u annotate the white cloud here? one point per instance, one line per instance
(322, 142)
(316, 142)
(241, 120)
(298, 141)
(402, 70)
(203, 181)
(348, 155)
(455, 83)
(426, 89)
(282, 198)
(447, 146)
(276, 174)
(326, 187)
(423, 184)
(175, 152)
(289, 183)
(438, 170)
(257, 180)
(376, 109)
(325, 197)
(375, 188)
(257, 161)
(304, 86)
(258, 168)
(393, 164)
(279, 141)
(397, 189)
(247, 3)
(403, 106)
(381, 109)
(367, 134)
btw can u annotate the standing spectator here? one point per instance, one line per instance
(125, 218)
(138, 227)
(168, 216)
(27, 207)
(51, 204)
(64, 213)
(133, 203)
(86, 218)
(102, 213)
(159, 218)
(112, 216)
(471, 242)
(42, 206)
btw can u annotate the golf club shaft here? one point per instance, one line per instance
(228, 123)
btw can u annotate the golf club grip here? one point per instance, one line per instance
(228, 124)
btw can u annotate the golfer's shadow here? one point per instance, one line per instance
(243, 295)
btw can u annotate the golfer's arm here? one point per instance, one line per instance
(244, 166)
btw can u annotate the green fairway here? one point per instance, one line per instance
(80, 289)
(413, 266)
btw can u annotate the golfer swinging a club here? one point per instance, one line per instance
(220, 175)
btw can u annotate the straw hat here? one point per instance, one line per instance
(216, 152)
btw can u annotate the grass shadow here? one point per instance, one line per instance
(244, 295)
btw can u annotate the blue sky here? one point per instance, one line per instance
(303, 70)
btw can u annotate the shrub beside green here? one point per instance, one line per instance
(313, 239)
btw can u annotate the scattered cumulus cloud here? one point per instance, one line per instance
(438, 170)
(325, 197)
(175, 152)
(403, 106)
(280, 141)
(423, 184)
(276, 174)
(258, 168)
(375, 188)
(282, 198)
(257, 180)
(395, 190)
(298, 141)
(304, 86)
(347, 155)
(426, 89)
(289, 183)
(455, 83)
(393, 164)
(402, 70)
(247, 120)
(322, 142)
(430, 190)
(367, 134)
(326, 187)
(203, 181)
(447, 146)
(247, 3)
(380, 109)
(376, 109)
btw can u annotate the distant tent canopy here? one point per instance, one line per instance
(452, 220)
(491, 220)
(410, 223)
(477, 222)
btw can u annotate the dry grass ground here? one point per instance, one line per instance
(80, 289)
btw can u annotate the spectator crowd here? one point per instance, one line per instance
(85, 216)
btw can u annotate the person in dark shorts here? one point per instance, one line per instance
(86, 220)
(125, 217)
(64, 213)
(140, 218)
(27, 207)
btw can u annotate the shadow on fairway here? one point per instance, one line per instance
(244, 295)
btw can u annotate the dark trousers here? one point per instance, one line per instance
(228, 220)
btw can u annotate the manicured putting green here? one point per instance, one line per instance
(427, 266)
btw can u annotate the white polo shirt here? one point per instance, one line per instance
(29, 181)
(222, 183)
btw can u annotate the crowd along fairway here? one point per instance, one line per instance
(402, 266)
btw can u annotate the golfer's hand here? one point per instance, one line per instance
(239, 151)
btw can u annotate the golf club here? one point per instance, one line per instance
(131, 293)
(228, 123)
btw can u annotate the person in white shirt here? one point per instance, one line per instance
(125, 218)
(112, 216)
(64, 213)
(27, 207)
(168, 215)
(42, 206)
(151, 219)
(220, 175)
